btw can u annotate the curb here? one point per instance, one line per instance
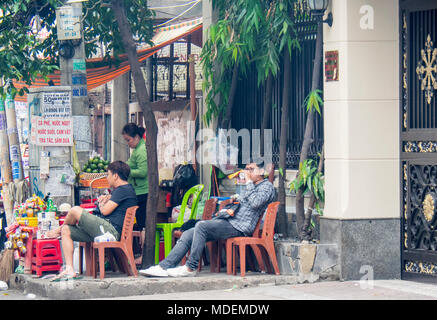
(122, 286)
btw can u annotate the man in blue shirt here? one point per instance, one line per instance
(253, 203)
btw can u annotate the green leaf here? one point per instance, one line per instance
(234, 54)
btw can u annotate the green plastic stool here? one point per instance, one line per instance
(167, 228)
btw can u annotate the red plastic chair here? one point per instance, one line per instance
(265, 241)
(125, 244)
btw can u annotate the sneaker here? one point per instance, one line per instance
(181, 271)
(155, 271)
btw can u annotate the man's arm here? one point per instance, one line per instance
(108, 207)
(257, 197)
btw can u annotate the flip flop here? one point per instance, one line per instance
(65, 277)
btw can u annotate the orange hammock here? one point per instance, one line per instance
(101, 75)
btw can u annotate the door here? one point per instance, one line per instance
(418, 122)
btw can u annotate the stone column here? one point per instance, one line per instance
(361, 120)
(204, 169)
(119, 117)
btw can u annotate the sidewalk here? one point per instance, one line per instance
(327, 290)
(118, 285)
(220, 286)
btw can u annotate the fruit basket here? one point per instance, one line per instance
(95, 165)
(92, 176)
(95, 168)
(99, 182)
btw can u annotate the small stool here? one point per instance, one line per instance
(47, 255)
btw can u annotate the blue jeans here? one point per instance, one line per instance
(195, 239)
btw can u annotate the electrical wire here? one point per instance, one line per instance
(179, 15)
(174, 6)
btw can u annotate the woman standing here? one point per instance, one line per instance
(138, 169)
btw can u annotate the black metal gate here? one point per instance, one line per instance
(248, 105)
(418, 121)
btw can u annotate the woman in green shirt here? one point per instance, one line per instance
(138, 169)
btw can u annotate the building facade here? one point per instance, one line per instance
(380, 133)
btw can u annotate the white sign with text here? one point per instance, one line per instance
(56, 105)
(52, 132)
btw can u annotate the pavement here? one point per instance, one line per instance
(326, 290)
(216, 286)
(119, 285)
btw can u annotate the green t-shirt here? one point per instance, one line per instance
(138, 169)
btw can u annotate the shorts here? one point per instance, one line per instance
(89, 227)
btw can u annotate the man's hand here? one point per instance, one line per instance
(235, 197)
(103, 199)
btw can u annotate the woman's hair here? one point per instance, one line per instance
(131, 129)
(120, 168)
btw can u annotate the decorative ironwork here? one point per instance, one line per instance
(428, 207)
(404, 70)
(421, 221)
(421, 267)
(418, 123)
(301, 9)
(405, 201)
(420, 146)
(427, 69)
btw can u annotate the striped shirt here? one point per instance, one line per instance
(253, 203)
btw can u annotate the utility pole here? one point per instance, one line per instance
(72, 103)
(73, 73)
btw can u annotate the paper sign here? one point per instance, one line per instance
(33, 127)
(53, 185)
(79, 65)
(54, 132)
(56, 104)
(68, 23)
(3, 121)
(331, 66)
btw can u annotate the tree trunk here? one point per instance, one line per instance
(306, 232)
(227, 120)
(267, 109)
(5, 165)
(309, 128)
(282, 222)
(151, 131)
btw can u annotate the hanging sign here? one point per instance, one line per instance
(56, 104)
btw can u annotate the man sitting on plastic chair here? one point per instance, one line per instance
(259, 193)
(85, 227)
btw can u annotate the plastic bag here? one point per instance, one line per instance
(105, 237)
(175, 213)
(76, 165)
(68, 175)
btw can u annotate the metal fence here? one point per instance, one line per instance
(248, 105)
